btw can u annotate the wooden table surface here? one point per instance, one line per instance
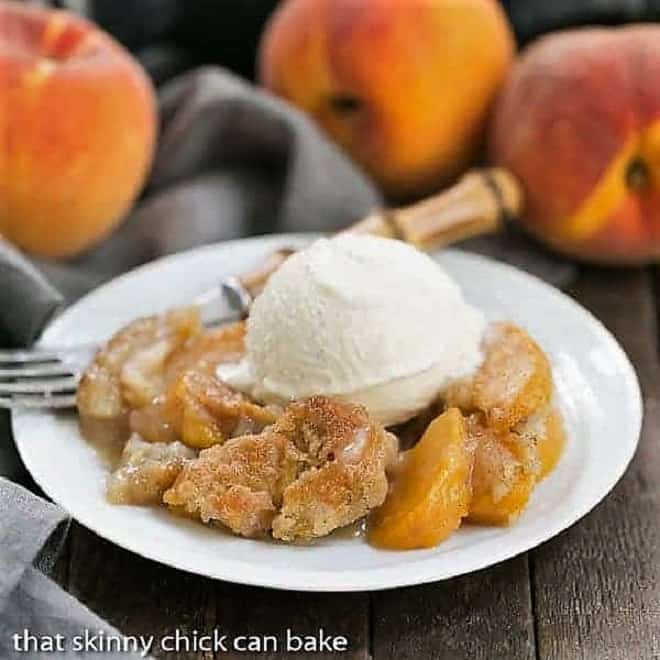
(592, 592)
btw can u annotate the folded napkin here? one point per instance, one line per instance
(232, 161)
(32, 606)
(27, 300)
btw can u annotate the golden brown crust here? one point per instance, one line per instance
(348, 454)
(239, 483)
(506, 469)
(545, 429)
(319, 467)
(323, 427)
(514, 381)
(146, 471)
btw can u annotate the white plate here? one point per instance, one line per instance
(597, 391)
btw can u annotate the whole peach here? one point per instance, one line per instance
(578, 122)
(404, 87)
(77, 130)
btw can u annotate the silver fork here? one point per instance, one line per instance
(47, 378)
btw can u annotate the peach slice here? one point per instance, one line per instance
(431, 490)
(506, 469)
(197, 425)
(205, 412)
(514, 381)
(551, 443)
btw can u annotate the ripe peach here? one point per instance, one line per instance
(578, 121)
(77, 130)
(404, 87)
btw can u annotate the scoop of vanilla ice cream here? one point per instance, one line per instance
(366, 319)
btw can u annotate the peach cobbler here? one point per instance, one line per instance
(283, 426)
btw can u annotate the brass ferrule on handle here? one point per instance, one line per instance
(479, 203)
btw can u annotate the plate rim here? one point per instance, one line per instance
(355, 580)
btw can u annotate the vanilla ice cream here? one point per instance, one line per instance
(370, 320)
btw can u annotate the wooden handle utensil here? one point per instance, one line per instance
(477, 204)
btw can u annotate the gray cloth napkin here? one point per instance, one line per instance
(31, 532)
(23, 316)
(232, 161)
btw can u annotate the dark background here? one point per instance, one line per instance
(170, 36)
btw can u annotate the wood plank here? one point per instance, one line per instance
(482, 616)
(256, 611)
(139, 596)
(596, 587)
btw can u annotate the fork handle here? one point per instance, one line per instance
(479, 203)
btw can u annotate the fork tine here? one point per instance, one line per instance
(40, 354)
(20, 357)
(59, 401)
(48, 369)
(44, 386)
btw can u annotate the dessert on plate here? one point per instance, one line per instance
(362, 386)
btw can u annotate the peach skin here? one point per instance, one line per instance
(403, 87)
(578, 122)
(77, 129)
